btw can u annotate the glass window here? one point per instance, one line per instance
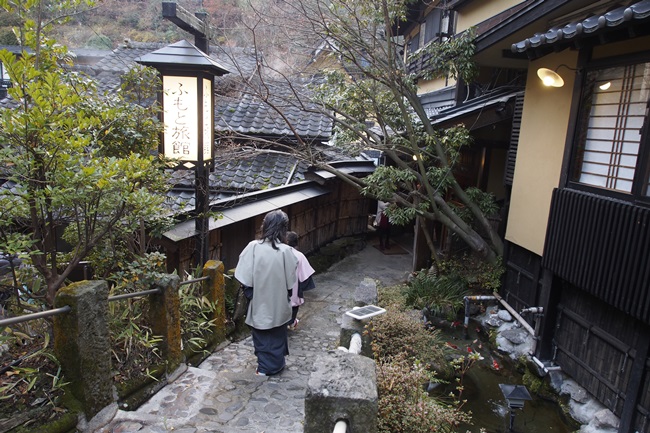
(432, 26)
(414, 43)
(611, 128)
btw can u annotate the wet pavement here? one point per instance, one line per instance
(223, 394)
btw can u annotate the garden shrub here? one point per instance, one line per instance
(392, 297)
(399, 333)
(405, 406)
(442, 295)
(196, 311)
(31, 380)
(101, 42)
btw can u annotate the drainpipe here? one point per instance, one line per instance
(538, 311)
(469, 299)
(341, 426)
(517, 316)
(507, 306)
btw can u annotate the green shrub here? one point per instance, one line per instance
(399, 333)
(101, 42)
(479, 275)
(195, 313)
(8, 37)
(393, 297)
(404, 405)
(442, 295)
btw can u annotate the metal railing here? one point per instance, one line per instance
(34, 316)
(195, 280)
(83, 309)
(57, 311)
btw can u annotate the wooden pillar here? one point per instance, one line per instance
(635, 384)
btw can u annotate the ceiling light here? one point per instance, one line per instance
(605, 86)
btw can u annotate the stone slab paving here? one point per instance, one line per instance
(223, 394)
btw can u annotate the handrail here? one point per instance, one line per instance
(34, 316)
(195, 280)
(67, 308)
(133, 295)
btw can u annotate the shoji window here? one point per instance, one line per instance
(611, 135)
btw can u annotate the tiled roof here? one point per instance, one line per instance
(122, 58)
(250, 116)
(637, 14)
(243, 171)
(248, 170)
(107, 71)
(257, 170)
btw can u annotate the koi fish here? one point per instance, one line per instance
(495, 365)
(469, 349)
(453, 346)
(455, 323)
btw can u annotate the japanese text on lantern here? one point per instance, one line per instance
(180, 117)
(208, 120)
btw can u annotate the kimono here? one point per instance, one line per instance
(271, 273)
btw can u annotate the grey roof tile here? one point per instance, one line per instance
(251, 116)
(636, 14)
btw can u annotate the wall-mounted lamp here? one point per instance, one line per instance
(551, 78)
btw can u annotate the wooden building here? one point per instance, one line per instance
(320, 211)
(574, 163)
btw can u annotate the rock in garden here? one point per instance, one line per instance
(515, 336)
(606, 419)
(504, 315)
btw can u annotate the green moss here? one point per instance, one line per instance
(59, 422)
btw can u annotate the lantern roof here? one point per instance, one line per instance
(515, 392)
(182, 56)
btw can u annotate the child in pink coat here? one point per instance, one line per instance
(303, 282)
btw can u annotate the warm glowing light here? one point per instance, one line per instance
(550, 78)
(605, 86)
(181, 114)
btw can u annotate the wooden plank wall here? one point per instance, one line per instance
(318, 221)
(596, 345)
(522, 277)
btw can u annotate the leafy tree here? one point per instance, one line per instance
(77, 164)
(373, 101)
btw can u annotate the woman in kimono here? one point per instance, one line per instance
(268, 266)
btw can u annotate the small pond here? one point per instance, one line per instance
(484, 397)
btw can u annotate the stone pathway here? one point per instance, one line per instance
(223, 395)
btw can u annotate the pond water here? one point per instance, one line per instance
(484, 396)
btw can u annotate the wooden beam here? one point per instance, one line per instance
(190, 23)
(183, 19)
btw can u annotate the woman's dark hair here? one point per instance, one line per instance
(274, 227)
(292, 239)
